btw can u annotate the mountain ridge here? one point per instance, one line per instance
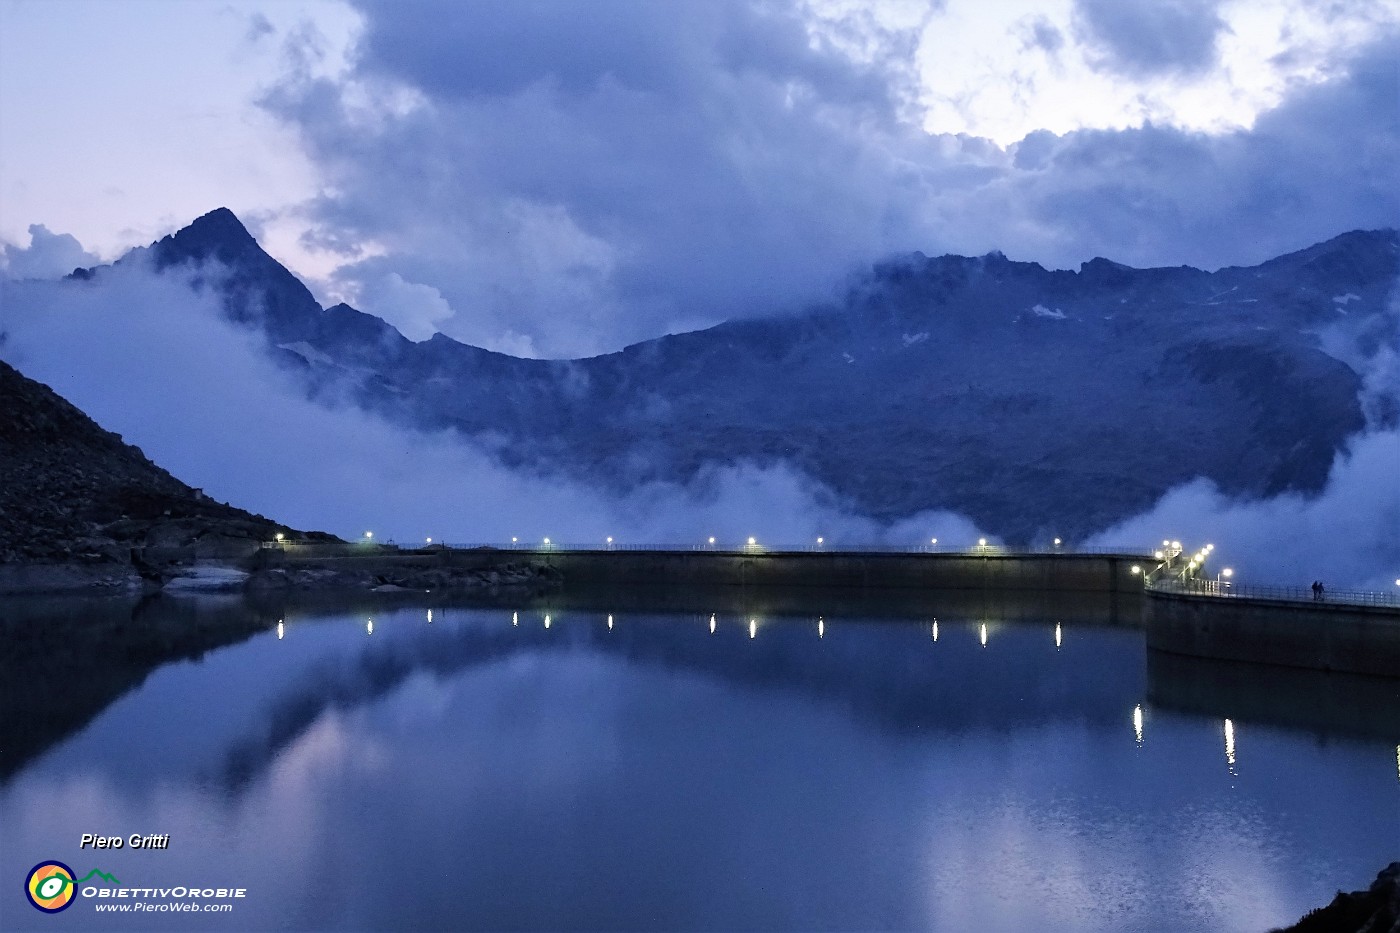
(1038, 402)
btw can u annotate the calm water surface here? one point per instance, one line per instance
(539, 767)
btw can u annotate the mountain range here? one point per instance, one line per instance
(1036, 402)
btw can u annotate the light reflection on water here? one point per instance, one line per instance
(635, 770)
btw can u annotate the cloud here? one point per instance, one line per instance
(1152, 37)
(48, 255)
(1325, 161)
(1038, 32)
(149, 357)
(626, 169)
(414, 309)
(632, 169)
(1346, 536)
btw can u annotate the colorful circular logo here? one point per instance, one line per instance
(50, 887)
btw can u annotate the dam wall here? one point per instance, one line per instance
(1097, 573)
(1322, 636)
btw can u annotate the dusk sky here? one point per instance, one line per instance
(560, 179)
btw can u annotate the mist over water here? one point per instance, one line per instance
(151, 357)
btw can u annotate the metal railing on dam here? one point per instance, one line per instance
(1281, 594)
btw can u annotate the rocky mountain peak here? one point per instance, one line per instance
(218, 234)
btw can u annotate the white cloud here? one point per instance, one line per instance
(48, 255)
(1346, 536)
(416, 310)
(984, 74)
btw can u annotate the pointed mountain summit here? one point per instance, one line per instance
(218, 234)
(256, 289)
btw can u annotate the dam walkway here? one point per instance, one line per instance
(1300, 595)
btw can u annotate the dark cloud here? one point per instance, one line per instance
(570, 178)
(1039, 33)
(1151, 37)
(1326, 161)
(259, 28)
(626, 169)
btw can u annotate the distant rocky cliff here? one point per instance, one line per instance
(72, 492)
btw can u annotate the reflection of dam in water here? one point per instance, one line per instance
(755, 635)
(1323, 702)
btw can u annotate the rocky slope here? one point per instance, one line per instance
(1375, 910)
(1038, 402)
(72, 492)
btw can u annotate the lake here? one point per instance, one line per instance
(726, 761)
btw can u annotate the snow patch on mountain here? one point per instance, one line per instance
(307, 352)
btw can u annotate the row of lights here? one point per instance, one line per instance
(982, 630)
(752, 541)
